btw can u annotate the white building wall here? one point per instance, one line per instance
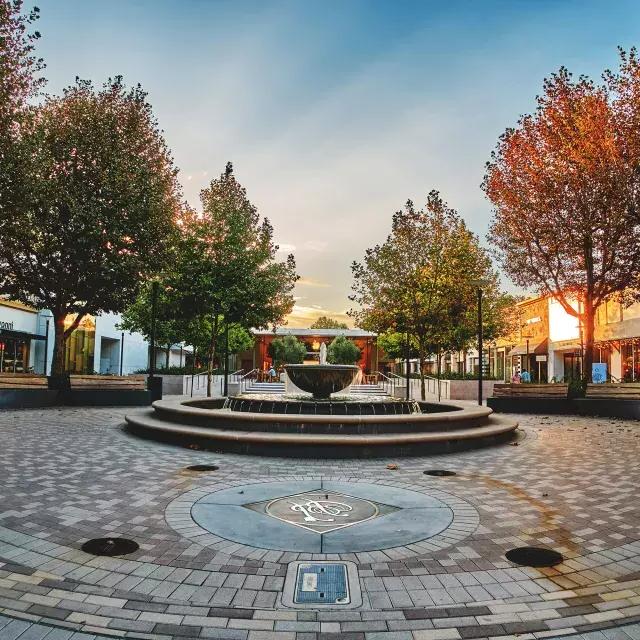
(108, 345)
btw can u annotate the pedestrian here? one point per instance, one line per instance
(525, 376)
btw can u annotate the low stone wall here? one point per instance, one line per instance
(468, 389)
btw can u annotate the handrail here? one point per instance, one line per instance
(243, 379)
(388, 384)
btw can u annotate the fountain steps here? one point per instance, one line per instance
(321, 435)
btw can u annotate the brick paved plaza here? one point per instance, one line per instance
(74, 474)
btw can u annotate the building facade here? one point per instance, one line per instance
(96, 346)
(371, 357)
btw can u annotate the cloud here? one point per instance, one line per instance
(310, 282)
(314, 245)
(303, 317)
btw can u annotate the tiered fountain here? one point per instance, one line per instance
(322, 421)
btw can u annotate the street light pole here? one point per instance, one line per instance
(406, 365)
(152, 356)
(480, 345)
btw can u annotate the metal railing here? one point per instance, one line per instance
(389, 384)
(198, 381)
(245, 379)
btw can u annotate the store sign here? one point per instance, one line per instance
(6, 326)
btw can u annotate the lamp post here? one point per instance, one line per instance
(479, 284)
(151, 381)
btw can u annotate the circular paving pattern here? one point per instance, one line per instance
(70, 475)
(321, 516)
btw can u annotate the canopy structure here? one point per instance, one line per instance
(537, 347)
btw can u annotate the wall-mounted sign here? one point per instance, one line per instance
(534, 320)
(7, 326)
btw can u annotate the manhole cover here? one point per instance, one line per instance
(202, 467)
(321, 585)
(440, 473)
(110, 546)
(534, 557)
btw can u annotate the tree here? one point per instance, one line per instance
(226, 264)
(394, 344)
(19, 81)
(342, 351)
(287, 350)
(421, 280)
(98, 209)
(172, 327)
(324, 322)
(565, 186)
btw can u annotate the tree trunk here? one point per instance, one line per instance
(212, 352)
(167, 356)
(464, 362)
(438, 371)
(59, 344)
(589, 322)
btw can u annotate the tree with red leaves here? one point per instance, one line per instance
(565, 185)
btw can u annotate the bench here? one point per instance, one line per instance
(115, 383)
(530, 390)
(22, 381)
(610, 391)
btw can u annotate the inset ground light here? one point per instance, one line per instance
(202, 467)
(110, 546)
(534, 557)
(439, 473)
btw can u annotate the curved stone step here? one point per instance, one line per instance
(194, 414)
(147, 420)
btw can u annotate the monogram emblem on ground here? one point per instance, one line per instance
(321, 511)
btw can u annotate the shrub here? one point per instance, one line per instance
(342, 351)
(287, 350)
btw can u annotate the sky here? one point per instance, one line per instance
(335, 112)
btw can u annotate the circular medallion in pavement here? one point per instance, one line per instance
(321, 516)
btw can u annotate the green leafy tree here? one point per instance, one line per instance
(394, 344)
(342, 351)
(226, 263)
(287, 350)
(172, 327)
(99, 207)
(421, 280)
(324, 322)
(19, 81)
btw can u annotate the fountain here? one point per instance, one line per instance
(323, 422)
(321, 380)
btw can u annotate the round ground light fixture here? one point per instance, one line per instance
(439, 473)
(202, 467)
(110, 546)
(534, 557)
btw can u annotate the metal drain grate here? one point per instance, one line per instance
(322, 584)
(534, 557)
(110, 546)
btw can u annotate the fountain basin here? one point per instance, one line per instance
(321, 380)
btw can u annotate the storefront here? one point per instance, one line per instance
(23, 339)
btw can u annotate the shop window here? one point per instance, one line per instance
(14, 356)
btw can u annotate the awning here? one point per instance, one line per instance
(535, 347)
(20, 335)
(567, 345)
